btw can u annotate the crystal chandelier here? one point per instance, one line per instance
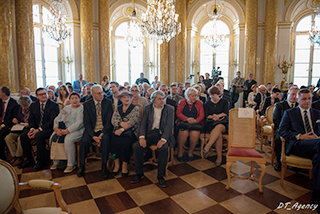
(215, 39)
(160, 21)
(57, 28)
(314, 33)
(134, 35)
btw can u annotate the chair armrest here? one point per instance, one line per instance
(272, 125)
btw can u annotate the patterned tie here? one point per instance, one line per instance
(306, 121)
(98, 108)
(2, 115)
(41, 114)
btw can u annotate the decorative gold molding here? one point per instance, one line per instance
(243, 2)
(190, 3)
(285, 2)
(316, 2)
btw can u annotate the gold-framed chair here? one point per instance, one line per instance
(243, 148)
(267, 130)
(259, 124)
(294, 161)
(140, 112)
(10, 189)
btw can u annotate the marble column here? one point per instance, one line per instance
(164, 63)
(87, 48)
(104, 42)
(25, 44)
(180, 42)
(251, 36)
(7, 74)
(270, 41)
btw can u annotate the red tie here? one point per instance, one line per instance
(2, 115)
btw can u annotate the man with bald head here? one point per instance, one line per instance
(26, 92)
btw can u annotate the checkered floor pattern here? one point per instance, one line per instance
(193, 187)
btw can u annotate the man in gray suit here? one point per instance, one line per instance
(156, 128)
(173, 94)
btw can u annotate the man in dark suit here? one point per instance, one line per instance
(77, 85)
(173, 94)
(97, 115)
(88, 96)
(26, 92)
(300, 126)
(285, 93)
(278, 112)
(247, 88)
(8, 110)
(156, 128)
(275, 93)
(41, 116)
(164, 89)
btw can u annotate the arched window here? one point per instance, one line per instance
(46, 50)
(222, 52)
(307, 57)
(128, 61)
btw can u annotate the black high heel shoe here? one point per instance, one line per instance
(124, 175)
(116, 173)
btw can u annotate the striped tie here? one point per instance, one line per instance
(41, 114)
(306, 121)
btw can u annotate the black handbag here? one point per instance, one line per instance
(223, 120)
(129, 132)
(190, 126)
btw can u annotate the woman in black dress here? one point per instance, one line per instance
(216, 109)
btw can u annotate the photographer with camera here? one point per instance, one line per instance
(236, 88)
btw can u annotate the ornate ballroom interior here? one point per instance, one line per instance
(259, 37)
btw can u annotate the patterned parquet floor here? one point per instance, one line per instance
(193, 187)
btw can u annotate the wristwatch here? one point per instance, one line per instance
(122, 129)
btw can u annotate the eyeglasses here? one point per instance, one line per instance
(99, 93)
(134, 90)
(42, 94)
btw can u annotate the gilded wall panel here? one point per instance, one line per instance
(7, 74)
(164, 63)
(25, 44)
(87, 46)
(180, 46)
(104, 41)
(270, 41)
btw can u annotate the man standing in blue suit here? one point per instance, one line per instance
(77, 85)
(300, 126)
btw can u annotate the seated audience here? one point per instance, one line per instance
(203, 91)
(260, 96)
(225, 94)
(274, 98)
(280, 108)
(156, 128)
(72, 117)
(300, 127)
(63, 95)
(190, 113)
(186, 86)
(9, 108)
(137, 99)
(51, 95)
(41, 116)
(26, 92)
(13, 144)
(97, 113)
(70, 89)
(125, 84)
(284, 95)
(142, 79)
(79, 83)
(269, 88)
(201, 98)
(125, 120)
(145, 87)
(180, 89)
(114, 87)
(105, 83)
(252, 95)
(148, 94)
(216, 112)
(88, 96)
(314, 94)
(54, 89)
(174, 94)
(164, 89)
(83, 91)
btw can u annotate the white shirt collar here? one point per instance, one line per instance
(7, 100)
(302, 110)
(96, 102)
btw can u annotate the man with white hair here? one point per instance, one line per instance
(261, 95)
(26, 92)
(156, 128)
(97, 115)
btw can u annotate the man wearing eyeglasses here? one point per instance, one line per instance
(42, 114)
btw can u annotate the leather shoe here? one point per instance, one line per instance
(124, 175)
(38, 167)
(162, 182)
(105, 172)
(80, 172)
(136, 179)
(277, 167)
(26, 164)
